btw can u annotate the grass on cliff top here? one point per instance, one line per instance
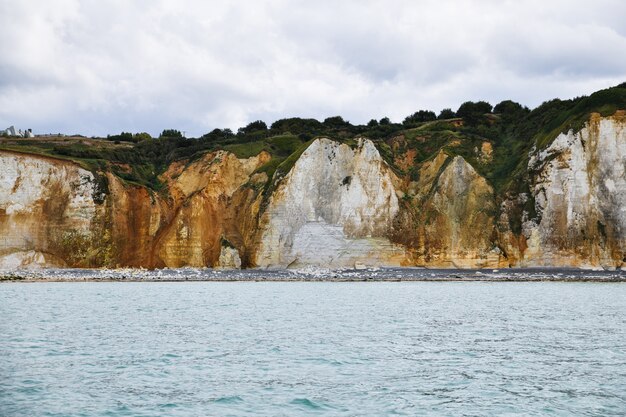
(88, 164)
(539, 129)
(553, 117)
(277, 167)
(280, 146)
(142, 163)
(95, 156)
(426, 142)
(512, 137)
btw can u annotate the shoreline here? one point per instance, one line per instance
(519, 280)
(314, 275)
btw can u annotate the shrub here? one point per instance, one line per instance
(171, 133)
(420, 116)
(254, 127)
(473, 112)
(446, 114)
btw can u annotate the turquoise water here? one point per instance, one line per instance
(284, 349)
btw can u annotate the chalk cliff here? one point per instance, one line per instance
(334, 208)
(338, 205)
(49, 212)
(579, 188)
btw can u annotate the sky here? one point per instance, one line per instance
(105, 66)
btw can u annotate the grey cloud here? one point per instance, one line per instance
(100, 67)
(578, 51)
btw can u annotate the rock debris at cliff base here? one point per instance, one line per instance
(310, 275)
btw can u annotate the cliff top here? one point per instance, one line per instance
(496, 141)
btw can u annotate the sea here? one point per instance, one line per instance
(465, 348)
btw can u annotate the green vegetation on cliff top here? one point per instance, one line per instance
(511, 129)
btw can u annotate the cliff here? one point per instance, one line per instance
(334, 208)
(451, 221)
(332, 203)
(53, 213)
(50, 212)
(579, 188)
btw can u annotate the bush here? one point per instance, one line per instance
(335, 122)
(446, 114)
(297, 126)
(138, 137)
(420, 116)
(473, 112)
(124, 136)
(254, 127)
(171, 133)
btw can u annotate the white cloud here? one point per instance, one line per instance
(98, 67)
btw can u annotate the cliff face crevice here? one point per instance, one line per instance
(338, 206)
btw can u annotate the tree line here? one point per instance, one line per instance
(472, 113)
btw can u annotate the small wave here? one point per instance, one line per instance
(30, 390)
(233, 399)
(306, 403)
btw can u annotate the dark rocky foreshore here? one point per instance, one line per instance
(312, 274)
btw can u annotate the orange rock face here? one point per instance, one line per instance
(49, 213)
(450, 219)
(187, 226)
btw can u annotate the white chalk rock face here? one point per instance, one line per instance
(41, 200)
(580, 197)
(229, 258)
(29, 260)
(333, 209)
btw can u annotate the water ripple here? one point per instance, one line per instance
(337, 349)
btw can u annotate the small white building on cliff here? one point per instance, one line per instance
(13, 132)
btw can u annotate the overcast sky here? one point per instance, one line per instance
(105, 66)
